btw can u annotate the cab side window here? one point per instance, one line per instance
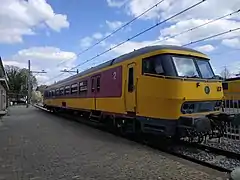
(153, 65)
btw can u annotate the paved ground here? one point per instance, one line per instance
(38, 146)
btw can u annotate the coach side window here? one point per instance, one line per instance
(83, 87)
(61, 91)
(67, 89)
(74, 88)
(57, 92)
(153, 65)
(53, 92)
(98, 83)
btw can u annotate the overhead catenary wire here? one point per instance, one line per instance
(213, 36)
(196, 27)
(118, 29)
(207, 38)
(140, 33)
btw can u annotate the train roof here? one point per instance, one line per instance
(233, 79)
(127, 56)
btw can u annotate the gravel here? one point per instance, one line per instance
(212, 158)
(226, 144)
(195, 153)
(36, 145)
(228, 163)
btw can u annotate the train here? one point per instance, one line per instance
(231, 89)
(161, 90)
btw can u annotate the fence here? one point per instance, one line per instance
(231, 105)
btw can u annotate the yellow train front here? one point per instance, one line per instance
(166, 90)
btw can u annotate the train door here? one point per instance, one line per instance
(95, 88)
(93, 91)
(131, 88)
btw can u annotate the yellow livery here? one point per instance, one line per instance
(166, 90)
(231, 89)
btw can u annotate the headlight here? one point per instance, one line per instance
(200, 106)
(188, 108)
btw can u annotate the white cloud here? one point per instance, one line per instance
(97, 35)
(116, 3)
(89, 40)
(19, 18)
(113, 25)
(172, 32)
(205, 48)
(200, 33)
(188, 20)
(170, 7)
(46, 53)
(233, 43)
(86, 42)
(43, 58)
(58, 22)
(166, 34)
(15, 63)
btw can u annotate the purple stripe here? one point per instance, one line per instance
(110, 85)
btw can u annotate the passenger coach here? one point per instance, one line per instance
(167, 90)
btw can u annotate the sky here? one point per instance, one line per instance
(54, 34)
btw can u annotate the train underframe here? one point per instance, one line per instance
(199, 128)
(192, 129)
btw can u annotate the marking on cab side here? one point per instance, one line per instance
(114, 75)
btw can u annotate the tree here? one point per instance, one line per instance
(41, 88)
(18, 80)
(225, 73)
(37, 97)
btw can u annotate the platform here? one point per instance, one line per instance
(36, 145)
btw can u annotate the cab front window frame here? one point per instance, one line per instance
(170, 69)
(200, 74)
(186, 67)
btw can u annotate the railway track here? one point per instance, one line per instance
(212, 157)
(173, 149)
(229, 154)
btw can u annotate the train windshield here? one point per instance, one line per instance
(187, 67)
(205, 69)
